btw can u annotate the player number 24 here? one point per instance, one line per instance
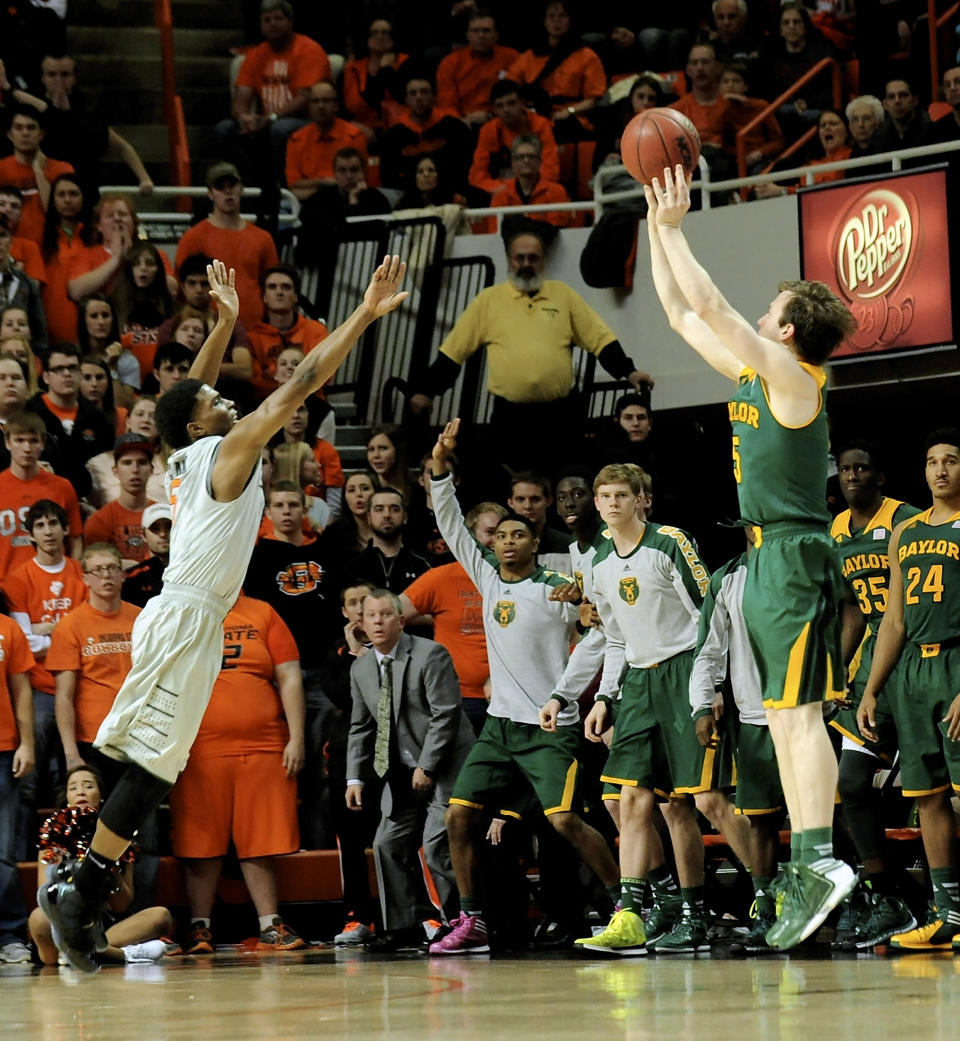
(932, 583)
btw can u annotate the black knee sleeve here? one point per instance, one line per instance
(861, 803)
(136, 795)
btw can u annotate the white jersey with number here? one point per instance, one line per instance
(210, 542)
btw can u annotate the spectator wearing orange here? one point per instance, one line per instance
(529, 188)
(283, 326)
(835, 142)
(765, 142)
(30, 170)
(22, 484)
(40, 592)
(466, 76)
(65, 228)
(491, 168)
(247, 249)
(422, 127)
(310, 150)
(446, 595)
(240, 783)
(120, 522)
(143, 302)
(89, 655)
(706, 107)
(371, 87)
(25, 252)
(94, 269)
(567, 76)
(270, 101)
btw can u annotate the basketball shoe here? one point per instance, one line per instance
(810, 893)
(623, 936)
(936, 934)
(75, 920)
(468, 935)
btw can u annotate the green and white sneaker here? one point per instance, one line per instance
(623, 936)
(663, 917)
(688, 936)
(811, 892)
(889, 916)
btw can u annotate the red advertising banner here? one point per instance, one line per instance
(882, 247)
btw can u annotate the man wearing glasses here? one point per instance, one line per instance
(79, 429)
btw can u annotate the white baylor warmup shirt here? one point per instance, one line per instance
(210, 542)
(528, 635)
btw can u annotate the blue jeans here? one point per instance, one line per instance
(13, 911)
(41, 786)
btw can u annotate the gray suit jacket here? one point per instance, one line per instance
(430, 729)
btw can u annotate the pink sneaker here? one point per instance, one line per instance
(468, 935)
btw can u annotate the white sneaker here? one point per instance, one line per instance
(354, 934)
(138, 953)
(14, 953)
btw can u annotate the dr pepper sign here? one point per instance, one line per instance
(882, 246)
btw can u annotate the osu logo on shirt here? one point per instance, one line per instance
(506, 611)
(299, 578)
(629, 590)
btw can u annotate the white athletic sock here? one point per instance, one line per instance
(204, 923)
(266, 920)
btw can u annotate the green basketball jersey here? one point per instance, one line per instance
(863, 555)
(929, 556)
(781, 471)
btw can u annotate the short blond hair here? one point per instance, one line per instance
(622, 473)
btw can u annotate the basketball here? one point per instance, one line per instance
(658, 138)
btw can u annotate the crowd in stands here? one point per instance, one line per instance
(489, 107)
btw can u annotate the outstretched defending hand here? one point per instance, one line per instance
(673, 199)
(222, 289)
(443, 449)
(381, 296)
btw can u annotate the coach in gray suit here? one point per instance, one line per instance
(408, 727)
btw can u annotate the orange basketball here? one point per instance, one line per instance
(658, 138)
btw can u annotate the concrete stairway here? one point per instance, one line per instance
(119, 66)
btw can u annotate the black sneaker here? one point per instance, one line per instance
(396, 941)
(75, 922)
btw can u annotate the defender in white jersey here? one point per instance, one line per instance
(528, 631)
(214, 485)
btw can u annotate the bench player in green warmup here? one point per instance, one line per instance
(793, 584)
(920, 635)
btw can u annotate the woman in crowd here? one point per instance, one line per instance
(562, 78)
(96, 385)
(98, 335)
(352, 523)
(66, 835)
(66, 228)
(142, 302)
(387, 458)
(294, 461)
(835, 145)
(431, 189)
(105, 486)
(371, 86)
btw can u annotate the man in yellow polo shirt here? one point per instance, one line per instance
(529, 325)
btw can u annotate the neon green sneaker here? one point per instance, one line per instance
(624, 936)
(811, 892)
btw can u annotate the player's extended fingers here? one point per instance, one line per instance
(669, 188)
(657, 191)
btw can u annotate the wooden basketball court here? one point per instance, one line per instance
(334, 994)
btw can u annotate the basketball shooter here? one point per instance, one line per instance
(793, 585)
(215, 493)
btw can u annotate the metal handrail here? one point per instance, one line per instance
(179, 149)
(792, 91)
(289, 214)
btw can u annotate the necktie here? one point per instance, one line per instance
(381, 751)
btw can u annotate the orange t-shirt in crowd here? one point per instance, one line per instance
(277, 76)
(447, 594)
(19, 175)
(356, 74)
(464, 79)
(543, 192)
(578, 77)
(249, 251)
(267, 342)
(245, 713)
(96, 646)
(84, 259)
(61, 311)
(141, 342)
(44, 596)
(765, 138)
(711, 121)
(65, 415)
(495, 140)
(16, 658)
(121, 527)
(27, 254)
(310, 150)
(16, 497)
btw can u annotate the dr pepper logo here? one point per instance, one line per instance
(874, 244)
